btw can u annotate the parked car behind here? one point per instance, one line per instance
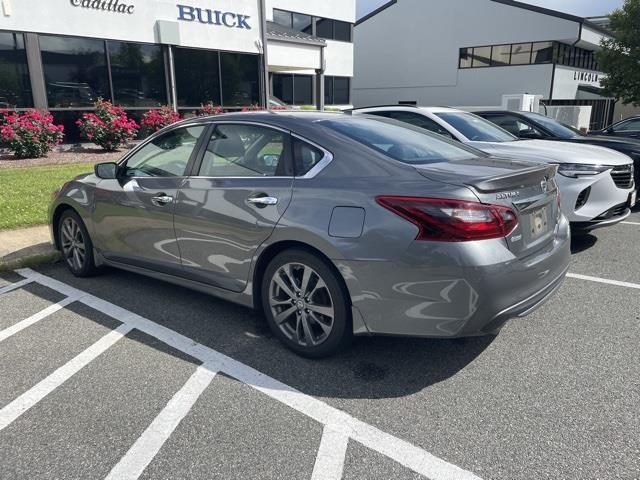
(529, 125)
(596, 183)
(332, 225)
(629, 127)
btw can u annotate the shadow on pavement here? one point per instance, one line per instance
(580, 243)
(372, 368)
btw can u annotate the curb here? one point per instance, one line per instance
(30, 261)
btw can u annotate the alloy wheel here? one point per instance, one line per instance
(301, 304)
(73, 244)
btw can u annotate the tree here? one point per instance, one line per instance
(620, 55)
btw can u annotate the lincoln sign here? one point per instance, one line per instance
(213, 17)
(105, 5)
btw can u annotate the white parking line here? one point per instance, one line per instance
(603, 280)
(331, 455)
(630, 223)
(15, 285)
(140, 455)
(13, 329)
(405, 453)
(32, 396)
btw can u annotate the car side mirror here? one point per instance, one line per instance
(106, 170)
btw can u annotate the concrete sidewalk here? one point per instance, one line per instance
(26, 246)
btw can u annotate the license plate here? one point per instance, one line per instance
(539, 222)
(634, 198)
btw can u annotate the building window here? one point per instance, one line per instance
(466, 54)
(293, 89)
(500, 55)
(137, 74)
(240, 82)
(521, 54)
(326, 28)
(481, 57)
(336, 90)
(542, 52)
(75, 71)
(197, 77)
(15, 86)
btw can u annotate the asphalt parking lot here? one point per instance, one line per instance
(121, 376)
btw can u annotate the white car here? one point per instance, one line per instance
(596, 183)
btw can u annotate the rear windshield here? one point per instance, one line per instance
(557, 128)
(475, 128)
(399, 141)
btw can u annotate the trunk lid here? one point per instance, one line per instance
(527, 188)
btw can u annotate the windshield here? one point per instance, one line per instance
(475, 128)
(399, 141)
(557, 128)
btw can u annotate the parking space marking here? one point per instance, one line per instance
(13, 329)
(143, 451)
(331, 455)
(32, 396)
(603, 280)
(15, 285)
(630, 223)
(403, 452)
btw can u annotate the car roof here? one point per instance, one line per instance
(409, 108)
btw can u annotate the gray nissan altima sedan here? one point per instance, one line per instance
(332, 225)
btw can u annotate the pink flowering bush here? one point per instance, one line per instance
(30, 134)
(154, 120)
(209, 109)
(109, 127)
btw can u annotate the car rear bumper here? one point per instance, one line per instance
(455, 290)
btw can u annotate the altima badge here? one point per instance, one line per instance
(503, 195)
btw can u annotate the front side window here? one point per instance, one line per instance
(75, 70)
(407, 145)
(475, 128)
(137, 72)
(246, 151)
(15, 86)
(166, 155)
(515, 126)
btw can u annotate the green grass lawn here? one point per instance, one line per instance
(25, 193)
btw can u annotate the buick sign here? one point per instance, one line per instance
(213, 17)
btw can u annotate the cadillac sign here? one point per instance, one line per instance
(105, 5)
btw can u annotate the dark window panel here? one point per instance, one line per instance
(542, 52)
(341, 31)
(341, 91)
(240, 79)
(302, 90)
(481, 57)
(283, 87)
(282, 17)
(324, 28)
(197, 77)
(137, 72)
(500, 55)
(15, 85)
(75, 71)
(465, 57)
(302, 23)
(328, 91)
(521, 54)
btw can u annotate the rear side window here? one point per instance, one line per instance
(415, 119)
(405, 144)
(245, 151)
(306, 156)
(475, 128)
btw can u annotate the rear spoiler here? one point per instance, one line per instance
(511, 180)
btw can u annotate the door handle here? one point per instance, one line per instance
(161, 200)
(262, 201)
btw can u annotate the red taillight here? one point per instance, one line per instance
(452, 220)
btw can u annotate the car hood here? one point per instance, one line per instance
(628, 143)
(553, 152)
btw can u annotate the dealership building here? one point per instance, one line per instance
(472, 52)
(62, 55)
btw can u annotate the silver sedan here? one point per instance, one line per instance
(332, 225)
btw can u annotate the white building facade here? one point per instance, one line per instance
(472, 52)
(62, 55)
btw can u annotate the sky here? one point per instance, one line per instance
(582, 8)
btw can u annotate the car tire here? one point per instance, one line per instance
(305, 304)
(75, 245)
